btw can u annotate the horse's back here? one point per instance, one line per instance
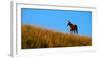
(73, 27)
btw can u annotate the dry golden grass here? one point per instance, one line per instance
(35, 37)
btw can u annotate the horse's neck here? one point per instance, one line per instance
(71, 24)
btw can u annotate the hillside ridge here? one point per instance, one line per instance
(37, 37)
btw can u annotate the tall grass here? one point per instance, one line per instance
(35, 37)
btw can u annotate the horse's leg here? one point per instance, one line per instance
(76, 31)
(70, 31)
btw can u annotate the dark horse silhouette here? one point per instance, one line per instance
(73, 28)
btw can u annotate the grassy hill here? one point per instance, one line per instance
(36, 37)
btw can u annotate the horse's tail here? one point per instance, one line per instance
(76, 29)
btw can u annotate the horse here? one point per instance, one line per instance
(73, 28)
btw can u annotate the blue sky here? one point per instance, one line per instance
(57, 19)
